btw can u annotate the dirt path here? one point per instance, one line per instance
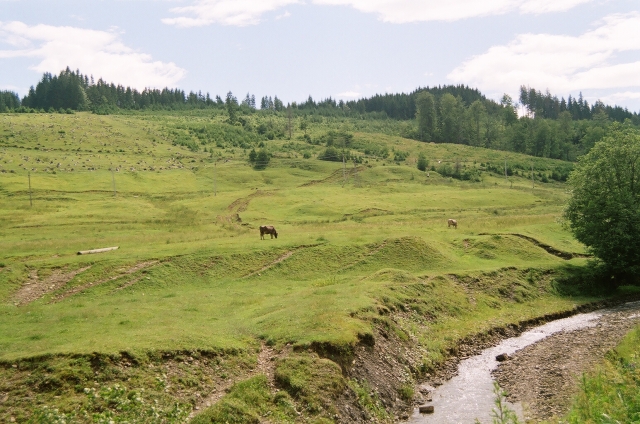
(241, 205)
(272, 264)
(335, 176)
(545, 375)
(266, 364)
(137, 267)
(367, 255)
(35, 288)
(550, 249)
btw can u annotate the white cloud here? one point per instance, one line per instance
(9, 88)
(283, 16)
(226, 12)
(548, 6)
(249, 12)
(559, 62)
(620, 98)
(100, 53)
(348, 95)
(402, 11)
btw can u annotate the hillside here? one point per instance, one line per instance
(192, 299)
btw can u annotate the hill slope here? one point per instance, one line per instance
(361, 244)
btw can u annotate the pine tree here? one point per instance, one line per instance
(426, 116)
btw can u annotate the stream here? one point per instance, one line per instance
(470, 394)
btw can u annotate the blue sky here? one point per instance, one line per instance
(339, 48)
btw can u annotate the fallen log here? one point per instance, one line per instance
(426, 409)
(90, 252)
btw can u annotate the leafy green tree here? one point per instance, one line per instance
(509, 112)
(253, 156)
(304, 124)
(565, 134)
(426, 115)
(423, 163)
(604, 209)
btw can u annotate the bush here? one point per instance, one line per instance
(262, 159)
(187, 142)
(423, 163)
(400, 156)
(334, 155)
(336, 138)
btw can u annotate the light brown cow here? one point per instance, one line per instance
(452, 223)
(267, 229)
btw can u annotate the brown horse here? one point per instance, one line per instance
(267, 229)
(452, 223)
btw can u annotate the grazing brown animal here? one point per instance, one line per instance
(267, 229)
(452, 223)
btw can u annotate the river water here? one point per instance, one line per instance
(469, 395)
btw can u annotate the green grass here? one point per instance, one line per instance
(250, 402)
(610, 393)
(356, 248)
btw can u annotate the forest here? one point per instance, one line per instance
(540, 125)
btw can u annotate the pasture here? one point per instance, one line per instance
(191, 273)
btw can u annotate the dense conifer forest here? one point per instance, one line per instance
(545, 126)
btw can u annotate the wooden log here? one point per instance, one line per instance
(426, 409)
(90, 252)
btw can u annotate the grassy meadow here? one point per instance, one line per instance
(177, 194)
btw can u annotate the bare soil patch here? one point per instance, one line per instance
(272, 264)
(35, 287)
(241, 205)
(137, 267)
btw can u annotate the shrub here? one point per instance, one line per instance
(332, 154)
(423, 163)
(262, 159)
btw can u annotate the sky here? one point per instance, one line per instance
(344, 49)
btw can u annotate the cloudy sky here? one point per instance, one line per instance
(339, 48)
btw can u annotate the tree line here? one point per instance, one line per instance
(549, 127)
(449, 119)
(9, 101)
(549, 106)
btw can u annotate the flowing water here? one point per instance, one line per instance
(469, 395)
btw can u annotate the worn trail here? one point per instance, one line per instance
(550, 249)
